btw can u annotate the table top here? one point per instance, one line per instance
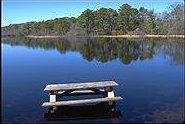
(76, 86)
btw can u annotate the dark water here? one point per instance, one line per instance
(150, 74)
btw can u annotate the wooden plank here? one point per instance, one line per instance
(70, 86)
(83, 101)
(80, 91)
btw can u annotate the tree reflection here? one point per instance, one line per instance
(108, 49)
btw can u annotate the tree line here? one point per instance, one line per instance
(107, 21)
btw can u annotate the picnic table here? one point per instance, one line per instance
(58, 90)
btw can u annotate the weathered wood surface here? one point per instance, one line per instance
(83, 101)
(76, 86)
(79, 91)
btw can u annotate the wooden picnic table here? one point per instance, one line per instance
(58, 90)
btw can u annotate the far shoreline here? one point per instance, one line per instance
(111, 36)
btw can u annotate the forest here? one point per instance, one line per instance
(106, 21)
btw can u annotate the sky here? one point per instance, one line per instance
(21, 11)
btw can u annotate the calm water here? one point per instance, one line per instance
(149, 73)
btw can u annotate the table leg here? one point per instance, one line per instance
(110, 94)
(53, 98)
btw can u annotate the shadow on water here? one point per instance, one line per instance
(98, 111)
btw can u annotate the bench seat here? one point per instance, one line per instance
(83, 101)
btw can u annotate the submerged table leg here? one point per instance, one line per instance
(53, 98)
(110, 93)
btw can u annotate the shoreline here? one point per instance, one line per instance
(112, 36)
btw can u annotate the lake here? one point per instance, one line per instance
(150, 74)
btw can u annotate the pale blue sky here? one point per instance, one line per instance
(20, 11)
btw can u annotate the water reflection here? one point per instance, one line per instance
(107, 49)
(153, 89)
(98, 111)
